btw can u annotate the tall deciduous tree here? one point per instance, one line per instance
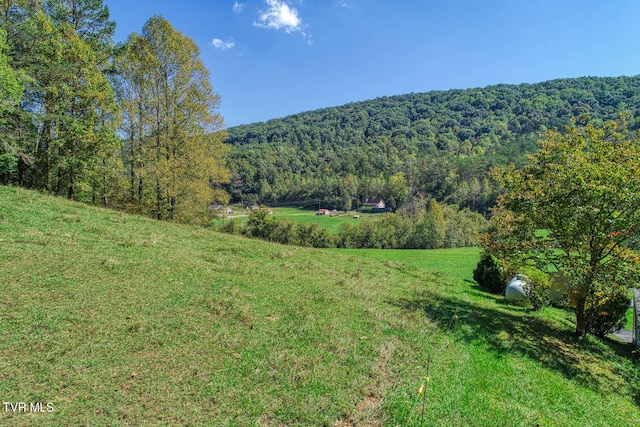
(10, 94)
(432, 226)
(90, 21)
(174, 150)
(18, 128)
(582, 189)
(68, 101)
(397, 189)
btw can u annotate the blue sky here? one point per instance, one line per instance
(272, 58)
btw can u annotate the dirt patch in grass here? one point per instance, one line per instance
(367, 411)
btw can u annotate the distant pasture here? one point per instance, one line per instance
(330, 222)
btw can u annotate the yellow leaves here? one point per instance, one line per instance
(171, 123)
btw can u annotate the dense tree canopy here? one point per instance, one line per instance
(10, 94)
(173, 152)
(10, 87)
(137, 127)
(443, 142)
(134, 126)
(61, 124)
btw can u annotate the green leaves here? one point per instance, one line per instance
(10, 87)
(67, 100)
(175, 155)
(582, 187)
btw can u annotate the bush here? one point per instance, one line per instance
(538, 288)
(230, 227)
(487, 274)
(283, 232)
(260, 224)
(608, 314)
(350, 235)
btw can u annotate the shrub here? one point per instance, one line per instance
(608, 313)
(350, 235)
(260, 224)
(538, 288)
(283, 232)
(230, 227)
(487, 274)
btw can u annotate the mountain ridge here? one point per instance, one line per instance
(471, 88)
(442, 142)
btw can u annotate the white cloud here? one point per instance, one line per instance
(279, 16)
(223, 45)
(238, 7)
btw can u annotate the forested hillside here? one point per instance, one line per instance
(437, 144)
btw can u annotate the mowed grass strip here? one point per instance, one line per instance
(122, 320)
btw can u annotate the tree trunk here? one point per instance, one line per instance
(72, 190)
(105, 182)
(158, 200)
(140, 190)
(582, 326)
(59, 189)
(132, 176)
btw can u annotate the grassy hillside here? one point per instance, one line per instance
(121, 320)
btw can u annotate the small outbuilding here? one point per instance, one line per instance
(323, 212)
(219, 209)
(374, 203)
(374, 206)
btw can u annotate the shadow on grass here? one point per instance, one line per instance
(504, 329)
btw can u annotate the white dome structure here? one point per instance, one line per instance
(516, 290)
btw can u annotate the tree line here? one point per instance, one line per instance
(442, 142)
(133, 126)
(422, 224)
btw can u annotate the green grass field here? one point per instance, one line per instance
(119, 320)
(331, 223)
(458, 263)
